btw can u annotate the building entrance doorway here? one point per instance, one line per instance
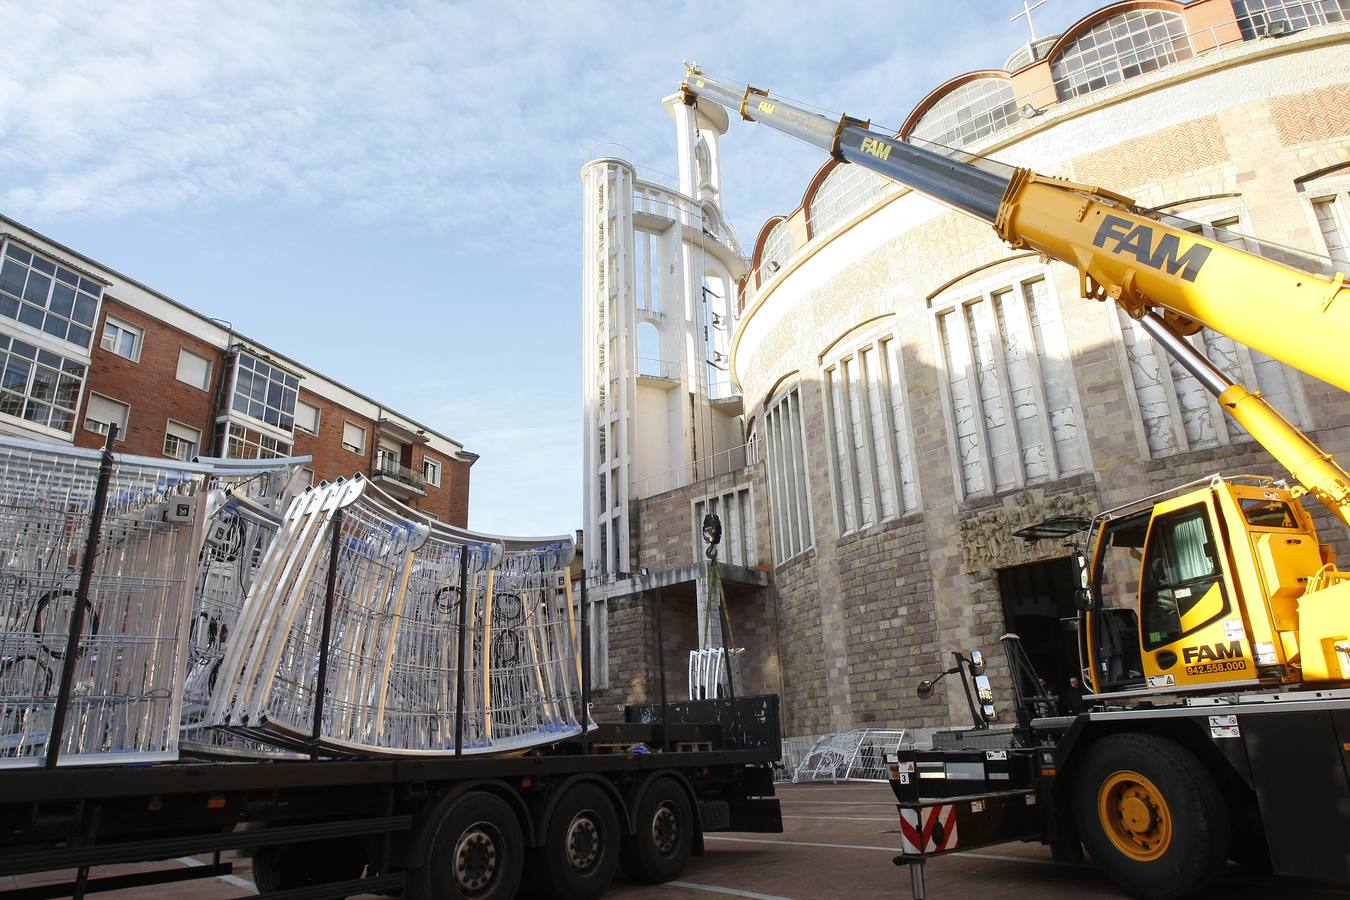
(1038, 607)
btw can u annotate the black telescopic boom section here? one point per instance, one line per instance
(966, 187)
(463, 624)
(585, 686)
(82, 601)
(957, 184)
(325, 634)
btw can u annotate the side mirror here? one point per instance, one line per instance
(925, 689)
(976, 662)
(984, 691)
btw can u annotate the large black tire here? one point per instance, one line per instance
(286, 866)
(1150, 815)
(476, 852)
(664, 839)
(581, 846)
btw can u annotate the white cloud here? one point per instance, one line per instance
(459, 125)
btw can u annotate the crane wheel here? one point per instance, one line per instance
(1151, 815)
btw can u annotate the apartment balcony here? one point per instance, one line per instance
(399, 480)
(401, 433)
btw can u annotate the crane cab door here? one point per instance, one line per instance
(1190, 629)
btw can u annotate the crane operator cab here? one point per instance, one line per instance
(1215, 586)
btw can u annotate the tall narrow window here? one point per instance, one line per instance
(1010, 387)
(1332, 209)
(1175, 410)
(789, 487)
(872, 463)
(738, 526)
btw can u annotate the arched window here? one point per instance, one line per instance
(972, 111)
(777, 248)
(1121, 47)
(649, 350)
(846, 190)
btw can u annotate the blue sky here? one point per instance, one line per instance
(389, 191)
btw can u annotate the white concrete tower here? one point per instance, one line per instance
(659, 285)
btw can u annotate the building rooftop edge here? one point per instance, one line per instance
(232, 335)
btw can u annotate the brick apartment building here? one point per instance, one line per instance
(83, 347)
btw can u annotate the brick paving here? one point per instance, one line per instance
(838, 842)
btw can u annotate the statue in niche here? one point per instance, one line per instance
(704, 160)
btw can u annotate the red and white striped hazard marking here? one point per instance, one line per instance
(928, 830)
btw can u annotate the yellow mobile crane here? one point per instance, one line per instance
(1221, 720)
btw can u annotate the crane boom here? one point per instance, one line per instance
(1172, 280)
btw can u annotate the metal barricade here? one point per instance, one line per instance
(850, 756)
(97, 555)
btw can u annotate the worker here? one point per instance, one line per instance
(1073, 700)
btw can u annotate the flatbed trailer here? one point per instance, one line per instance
(1261, 778)
(635, 794)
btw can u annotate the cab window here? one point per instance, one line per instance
(1268, 513)
(1182, 584)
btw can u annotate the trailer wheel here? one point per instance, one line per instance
(477, 852)
(1150, 815)
(665, 835)
(281, 867)
(581, 847)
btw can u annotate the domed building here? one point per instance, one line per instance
(913, 391)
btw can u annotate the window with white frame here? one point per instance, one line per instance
(181, 441)
(264, 392)
(1176, 412)
(845, 191)
(306, 417)
(307, 478)
(122, 339)
(103, 412)
(789, 486)
(867, 425)
(1011, 402)
(193, 369)
(1123, 46)
(431, 472)
(968, 113)
(353, 437)
(247, 443)
(49, 297)
(1254, 16)
(777, 248)
(39, 386)
(734, 509)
